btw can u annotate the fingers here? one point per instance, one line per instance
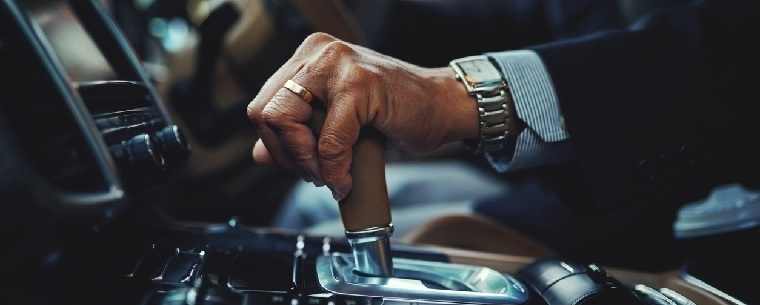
(275, 151)
(336, 140)
(327, 159)
(270, 149)
(312, 44)
(326, 77)
(321, 65)
(287, 114)
(270, 140)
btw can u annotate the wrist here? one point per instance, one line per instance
(459, 110)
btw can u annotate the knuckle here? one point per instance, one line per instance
(360, 76)
(272, 115)
(318, 38)
(279, 111)
(331, 147)
(330, 59)
(253, 113)
(301, 153)
(337, 49)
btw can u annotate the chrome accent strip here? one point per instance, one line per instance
(461, 284)
(371, 250)
(707, 287)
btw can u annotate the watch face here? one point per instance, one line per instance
(480, 72)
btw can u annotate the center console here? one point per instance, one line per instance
(227, 264)
(231, 264)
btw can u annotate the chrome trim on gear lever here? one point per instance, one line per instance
(421, 281)
(372, 251)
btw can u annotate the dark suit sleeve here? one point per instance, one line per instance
(665, 110)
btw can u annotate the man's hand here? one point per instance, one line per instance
(417, 108)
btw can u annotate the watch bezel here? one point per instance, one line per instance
(472, 84)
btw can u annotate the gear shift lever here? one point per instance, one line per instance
(371, 271)
(365, 211)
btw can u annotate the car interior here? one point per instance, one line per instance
(127, 178)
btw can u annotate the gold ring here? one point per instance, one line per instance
(299, 90)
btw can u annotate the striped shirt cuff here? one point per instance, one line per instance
(531, 86)
(530, 151)
(544, 141)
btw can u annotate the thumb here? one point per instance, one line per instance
(261, 154)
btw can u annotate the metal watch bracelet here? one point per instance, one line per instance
(497, 119)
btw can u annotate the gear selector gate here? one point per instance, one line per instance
(371, 271)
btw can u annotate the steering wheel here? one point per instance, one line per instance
(76, 151)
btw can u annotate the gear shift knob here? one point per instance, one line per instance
(366, 211)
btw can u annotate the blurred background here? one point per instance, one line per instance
(208, 58)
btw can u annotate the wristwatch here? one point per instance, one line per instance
(497, 119)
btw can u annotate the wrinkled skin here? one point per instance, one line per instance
(417, 108)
